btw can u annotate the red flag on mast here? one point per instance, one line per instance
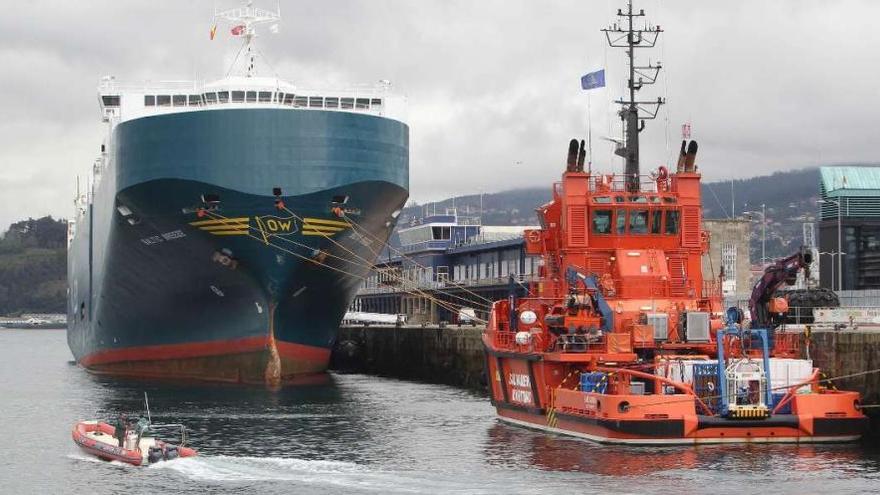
(238, 30)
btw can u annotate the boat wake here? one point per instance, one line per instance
(307, 473)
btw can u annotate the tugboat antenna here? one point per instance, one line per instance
(634, 112)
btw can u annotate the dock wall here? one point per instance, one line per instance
(454, 356)
(451, 355)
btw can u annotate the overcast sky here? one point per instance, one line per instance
(493, 86)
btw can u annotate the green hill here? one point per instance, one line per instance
(33, 267)
(789, 200)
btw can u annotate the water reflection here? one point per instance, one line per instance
(305, 419)
(515, 447)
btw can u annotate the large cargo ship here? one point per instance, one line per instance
(205, 244)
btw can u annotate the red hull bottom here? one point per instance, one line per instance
(246, 361)
(735, 432)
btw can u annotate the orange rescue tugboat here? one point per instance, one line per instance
(622, 340)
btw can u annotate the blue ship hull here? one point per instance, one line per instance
(165, 284)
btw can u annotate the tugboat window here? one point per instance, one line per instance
(363, 103)
(251, 96)
(163, 100)
(376, 102)
(638, 222)
(672, 222)
(210, 98)
(621, 221)
(265, 96)
(331, 102)
(601, 221)
(223, 97)
(288, 99)
(301, 101)
(316, 101)
(348, 103)
(149, 100)
(656, 218)
(194, 100)
(237, 96)
(179, 100)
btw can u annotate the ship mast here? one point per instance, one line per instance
(244, 21)
(633, 112)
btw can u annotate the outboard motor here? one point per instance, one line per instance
(154, 455)
(171, 452)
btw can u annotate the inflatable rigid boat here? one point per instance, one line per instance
(98, 439)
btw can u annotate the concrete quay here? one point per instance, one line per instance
(450, 355)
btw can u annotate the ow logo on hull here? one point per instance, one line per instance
(271, 225)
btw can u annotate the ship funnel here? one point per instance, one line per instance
(571, 163)
(582, 155)
(680, 167)
(690, 157)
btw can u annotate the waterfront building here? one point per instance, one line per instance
(849, 222)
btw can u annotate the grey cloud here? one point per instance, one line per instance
(492, 85)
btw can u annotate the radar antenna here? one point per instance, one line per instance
(634, 112)
(244, 21)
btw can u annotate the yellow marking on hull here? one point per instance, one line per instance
(229, 232)
(317, 232)
(325, 221)
(209, 228)
(220, 221)
(323, 227)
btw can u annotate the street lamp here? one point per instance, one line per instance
(839, 243)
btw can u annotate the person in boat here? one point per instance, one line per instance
(121, 429)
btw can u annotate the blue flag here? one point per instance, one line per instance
(594, 80)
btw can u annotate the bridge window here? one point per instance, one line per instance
(347, 103)
(265, 96)
(238, 97)
(638, 222)
(149, 100)
(223, 96)
(376, 102)
(110, 100)
(163, 100)
(301, 101)
(288, 99)
(195, 100)
(363, 103)
(656, 218)
(669, 199)
(251, 96)
(620, 224)
(210, 98)
(619, 199)
(638, 199)
(331, 102)
(441, 232)
(316, 101)
(602, 200)
(672, 222)
(601, 221)
(179, 100)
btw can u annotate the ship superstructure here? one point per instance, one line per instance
(203, 245)
(623, 340)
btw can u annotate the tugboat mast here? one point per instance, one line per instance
(634, 112)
